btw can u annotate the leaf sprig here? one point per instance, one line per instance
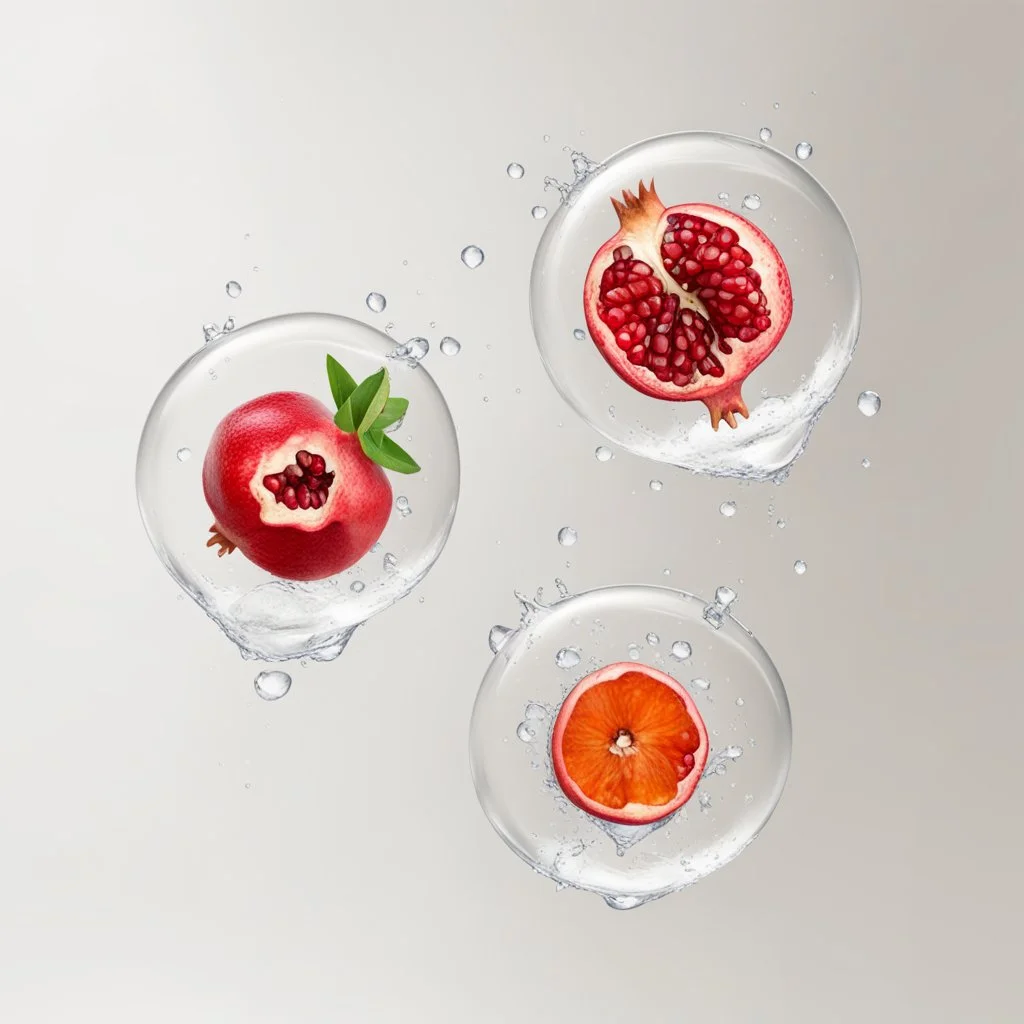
(367, 410)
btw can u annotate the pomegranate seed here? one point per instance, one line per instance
(272, 482)
(302, 485)
(303, 458)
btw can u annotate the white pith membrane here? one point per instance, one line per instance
(644, 222)
(275, 513)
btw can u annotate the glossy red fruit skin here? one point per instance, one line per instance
(301, 544)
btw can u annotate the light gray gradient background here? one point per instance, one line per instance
(356, 879)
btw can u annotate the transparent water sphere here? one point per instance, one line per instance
(269, 618)
(746, 712)
(800, 375)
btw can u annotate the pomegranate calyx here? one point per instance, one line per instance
(642, 209)
(224, 546)
(367, 410)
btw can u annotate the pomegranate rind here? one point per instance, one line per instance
(310, 544)
(631, 813)
(643, 223)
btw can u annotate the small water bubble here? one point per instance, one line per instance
(723, 197)
(272, 686)
(725, 596)
(727, 508)
(701, 684)
(780, 523)
(402, 504)
(634, 652)
(547, 138)
(602, 454)
(752, 201)
(525, 732)
(229, 325)
(653, 639)
(869, 402)
(376, 302)
(866, 462)
(705, 801)
(535, 712)
(799, 567)
(666, 572)
(804, 150)
(539, 212)
(515, 170)
(233, 288)
(357, 587)
(497, 636)
(764, 134)
(656, 485)
(451, 346)
(390, 562)
(567, 536)
(681, 650)
(775, 106)
(184, 454)
(472, 256)
(579, 334)
(739, 702)
(560, 585)
(568, 657)
(210, 331)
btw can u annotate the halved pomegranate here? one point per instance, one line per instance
(684, 302)
(629, 744)
(300, 491)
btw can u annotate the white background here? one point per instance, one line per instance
(172, 848)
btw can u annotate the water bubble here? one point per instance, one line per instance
(740, 702)
(535, 711)
(568, 657)
(752, 201)
(653, 639)
(725, 596)
(723, 197)
(764, 134)
(579, 334)
(402, 504)
(775, 106)
(233, 288)
(727, 508)
(390, 562)
(184, 454)
(603, 454)
(865, 462)
(869, 402)
(210, 331)
(472, 256)
(563, 589)
(412, 351)
(229, 325)
(804, 150)
(272, 685)
(799, 567)
(357, 587)
(497, 636)
(705, 801)
(701, 684)
(547, 138)
(634, 652)
(515, 170)
(539, 212)
(376, 302)
(781, 523)
(681, 650)
(567, 536)
(656, 485)
(451, 346)
(525, 732)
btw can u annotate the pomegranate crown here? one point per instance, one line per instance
(367, 410)
(643, 207)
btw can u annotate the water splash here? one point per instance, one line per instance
(718, 762)
(715, 612)
(583, 169)
(498, 637)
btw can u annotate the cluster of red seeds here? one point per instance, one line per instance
(303, 484)
(707, 259)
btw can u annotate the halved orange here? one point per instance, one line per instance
(629, 744)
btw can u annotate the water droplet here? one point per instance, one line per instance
(681, 650)
(603, 454)
(653, 639)
(723, 197)
(497, 636)
(535, 712)
(634, 652)
(563, 590)
(727, 508)
(376, 302)
(869, 402)
(775, 106)
(451, 346)
(656, 485)
(740, 702)
(539, 212)
(866, 462)
(568, 657)
(472, 256)
(781, 523)
(412, 351)
(525, 732)
(547, 138)
(804, 150)
(402, 504)
(752, 201)
(210, 331)
(705, 801)
(515, 170)
(666, 572)
(233, 288)
(184, 454)
(272, 685)
(579, 334)
(358, 586)
(799, 567)
(725, 596)
(390, 562)
(701, 684)
(567, 536)
(764, 134)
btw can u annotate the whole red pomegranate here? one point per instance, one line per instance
(300, 491)
(684, 302)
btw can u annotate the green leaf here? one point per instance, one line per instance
(394, 410)
(377, 402)
(382, 450)
(342, 382)
(360, 400)
(343, 419)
